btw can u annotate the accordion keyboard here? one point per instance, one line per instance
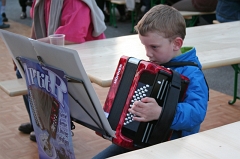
(140, 93)
(149, 85)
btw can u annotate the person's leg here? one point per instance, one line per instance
(29, 3)
(101, 5)
(107, 4)
(2, 25)
(24, 8)
(184, 5)
(110, 151)
(26, 128)
(138, 11)
(227, 11)
(147, 5)
(122, 12)
(4, 16)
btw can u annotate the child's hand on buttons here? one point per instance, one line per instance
(145, 110)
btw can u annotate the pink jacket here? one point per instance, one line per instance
(75, 21)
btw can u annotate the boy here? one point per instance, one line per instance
(162, 31)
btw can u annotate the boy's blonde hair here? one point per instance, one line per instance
(163, 19)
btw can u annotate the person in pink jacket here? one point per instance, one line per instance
(80, 21)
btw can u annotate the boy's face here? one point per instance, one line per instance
(158, 49)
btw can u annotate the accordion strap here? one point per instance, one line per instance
(162, 127)
(184, 63)
(180, 63)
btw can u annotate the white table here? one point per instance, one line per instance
(217, 45)
(218, 143)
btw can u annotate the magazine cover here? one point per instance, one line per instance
(48, 99)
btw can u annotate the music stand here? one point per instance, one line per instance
(85, 107)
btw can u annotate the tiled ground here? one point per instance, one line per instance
(86, 143)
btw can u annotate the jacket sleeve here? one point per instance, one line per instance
(191, 112)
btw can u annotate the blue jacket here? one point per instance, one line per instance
(191, 112)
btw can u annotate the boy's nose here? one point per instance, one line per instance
(148, 53)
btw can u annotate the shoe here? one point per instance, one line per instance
(5, 19)
(26, 128)
(32, 136)
(4, 26)
(23, 15)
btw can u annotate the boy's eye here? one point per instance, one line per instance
(154, 47)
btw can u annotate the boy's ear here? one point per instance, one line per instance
(177, 43)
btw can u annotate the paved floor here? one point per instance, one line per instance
(219, 79)
(86, 143)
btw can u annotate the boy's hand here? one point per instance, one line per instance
(145, 110)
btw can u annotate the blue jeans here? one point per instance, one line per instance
(110, 151)
(228, 10)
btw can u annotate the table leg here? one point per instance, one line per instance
(237, 71)
(133, 19)
(113, 15)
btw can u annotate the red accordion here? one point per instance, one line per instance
(135, 79)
